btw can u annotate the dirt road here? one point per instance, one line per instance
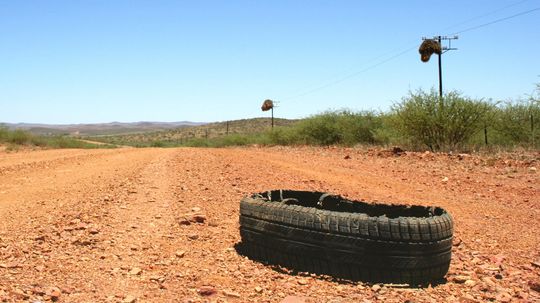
(110, 225)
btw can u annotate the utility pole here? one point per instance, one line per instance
(444, 49)
(440, 68)
(272, 117)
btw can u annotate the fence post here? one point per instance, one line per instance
(532, 128)
(485, 134)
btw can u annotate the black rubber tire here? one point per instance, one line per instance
(326, 234)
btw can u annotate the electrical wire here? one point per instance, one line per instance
(403, 52)
(352, 75)
(483, 15)
(496, 21)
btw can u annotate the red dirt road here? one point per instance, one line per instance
(103, 225)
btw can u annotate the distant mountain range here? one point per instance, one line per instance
(112, 128)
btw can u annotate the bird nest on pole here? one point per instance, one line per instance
(267, 105)
(428, 48)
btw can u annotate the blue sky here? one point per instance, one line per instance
(102, 61)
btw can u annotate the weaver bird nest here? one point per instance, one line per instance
(267, 105)
(428, 48)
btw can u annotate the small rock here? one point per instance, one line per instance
(184, 221)
(532, 169)
(54, 293)
(376, 287)
(198, 218)
(467, 298)
(38, 291)
(444, 180)
(206, 291)
(347, 157)
(396, 150)
(93, 231)
(469, 283)
(40, 238)
(231, 294)
(461, 279)
(66, 290)
(536, 263)
(158, 279)
(180, 254)
(196, 209)
(258, 289)
(302, 282)
(129, 299)
(534, 286)
(135, 271)
(193, 236)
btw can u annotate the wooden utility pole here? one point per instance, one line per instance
(272, 118)
(440, 69)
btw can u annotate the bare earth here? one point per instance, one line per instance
(103, 225)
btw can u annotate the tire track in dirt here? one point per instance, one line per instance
(51, 228)
(17, 163)
(140, 228)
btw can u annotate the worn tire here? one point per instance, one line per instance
(326, 234)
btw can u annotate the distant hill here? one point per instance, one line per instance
(208, 130)
(99, 129)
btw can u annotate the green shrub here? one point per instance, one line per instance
(337, 127)
(386, 133)
(19, 137)
(283, 136)
(447, 123)
(157, 144)
(517, 123)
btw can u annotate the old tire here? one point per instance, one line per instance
(326, 234)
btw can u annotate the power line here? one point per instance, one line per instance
(483, 15)
(351, 75)
(496, 21)
(332, 83)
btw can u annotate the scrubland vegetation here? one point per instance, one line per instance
(15, 139)
(420, 121)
